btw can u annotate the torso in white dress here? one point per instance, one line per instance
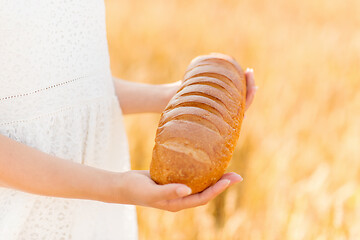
(57, 95)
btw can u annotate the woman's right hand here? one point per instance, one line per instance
(137, 188)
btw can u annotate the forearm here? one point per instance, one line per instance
(30, 170)
(143, 98)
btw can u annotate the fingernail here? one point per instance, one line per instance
(183, 191)
(240, 178)
(251, 70)
(227, 182)
(247, 69)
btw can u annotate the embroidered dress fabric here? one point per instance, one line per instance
(57, 95)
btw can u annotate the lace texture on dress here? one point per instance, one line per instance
(57, 95)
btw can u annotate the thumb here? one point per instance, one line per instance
(172, 191)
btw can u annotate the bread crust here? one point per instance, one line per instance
(200, 126)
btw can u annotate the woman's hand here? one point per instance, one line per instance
(137, 188)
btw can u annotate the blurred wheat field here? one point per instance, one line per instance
(299, 148)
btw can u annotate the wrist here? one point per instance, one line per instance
(169, 90)
(106, 187)
(116, 188)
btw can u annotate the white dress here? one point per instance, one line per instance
(57, 95)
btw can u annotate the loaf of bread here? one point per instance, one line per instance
(200, 126)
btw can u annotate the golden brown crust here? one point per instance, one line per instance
(233, 93)
(204, 117)
(204, 103)
(216, 70)
(217, 95)
(199, 128)
(218, 57)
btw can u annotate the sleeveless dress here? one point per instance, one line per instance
(57, 95)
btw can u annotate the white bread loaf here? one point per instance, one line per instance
(200, 126)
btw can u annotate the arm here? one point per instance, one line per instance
(140, 97)
(30, 170)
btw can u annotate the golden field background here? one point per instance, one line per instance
(299, 146)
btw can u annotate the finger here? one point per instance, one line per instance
(250, 79)
(166, 191)
(170, 191)
(250, 87)
(207, 195)
(225, 181)
(250, 97)
(233, 177)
